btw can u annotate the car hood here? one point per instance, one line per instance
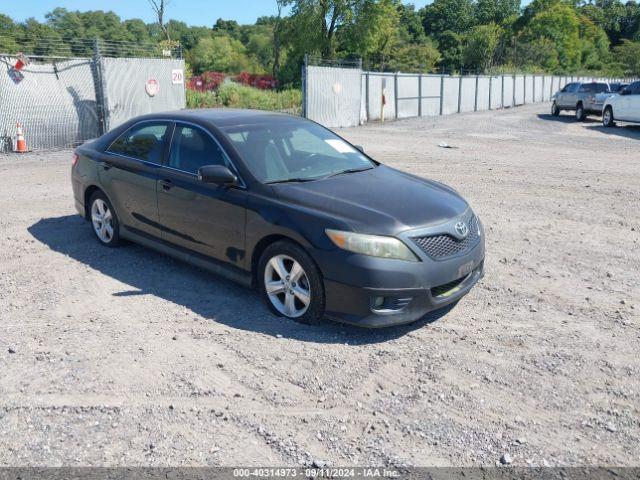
(381, 201)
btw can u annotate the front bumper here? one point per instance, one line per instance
(377, 292)
(349, 304)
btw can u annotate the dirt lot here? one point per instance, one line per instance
(126, 357)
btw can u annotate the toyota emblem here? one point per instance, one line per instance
(462, 229)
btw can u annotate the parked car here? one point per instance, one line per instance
(282, 203)
(623, 107)
(579, 97)
(615, 88)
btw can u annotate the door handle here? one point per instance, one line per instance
(105, 165)
(166, 184)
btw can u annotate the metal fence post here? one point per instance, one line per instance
(460, 93)
(475, 96)
(534, 89)
(395, 92)
(304, 85)
(502, 93)
(420, 95)
(441, 93)
(524, 89)
(513, 91)
(490, 89)
(98, 81)
(366, 88)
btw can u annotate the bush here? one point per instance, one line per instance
(263, 82)
(240, 96)
(206, 82)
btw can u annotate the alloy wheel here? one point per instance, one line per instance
(102, 220)
(607, 117)
(287, 286)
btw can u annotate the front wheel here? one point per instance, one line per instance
(607, 118)
(580, 115)
(104, 220)
(555, 111)
(291, 284)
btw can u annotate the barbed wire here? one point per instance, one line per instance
(46, 46)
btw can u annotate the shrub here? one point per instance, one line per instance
(263, 82)
(240, 96)
(206, 82)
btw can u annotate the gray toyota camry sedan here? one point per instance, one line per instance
(286, 205)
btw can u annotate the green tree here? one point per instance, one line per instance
(411, 30)
(558, 22)
(372, 33)
(8, 31)
(480, 46)
(315, 24)
(415, 58)
(448, 15)
(220, 53)
(628, 54)
(450, 45)
(496, 11)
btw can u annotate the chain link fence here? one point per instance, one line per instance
(62, 100)
(331, 93)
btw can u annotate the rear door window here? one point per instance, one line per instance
(600, 87)
(143, 141)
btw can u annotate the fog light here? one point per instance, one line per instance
(378, 302)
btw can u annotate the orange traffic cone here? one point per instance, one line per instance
(21, 143)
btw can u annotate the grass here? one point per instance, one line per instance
(232, 95)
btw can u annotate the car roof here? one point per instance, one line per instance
(225, 117)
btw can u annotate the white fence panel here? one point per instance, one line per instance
(519, 89)
(483, 93)
(408, 90)
(450, 101)
(508, 91)
(334, 95)
(528, 89)
(496, 92)
(430, 90)
(468, 99)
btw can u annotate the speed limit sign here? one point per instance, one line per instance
(177, 77)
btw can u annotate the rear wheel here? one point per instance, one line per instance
(607, 118)
(580, 115)
(555, 111)
(291, 284)
(104, 220)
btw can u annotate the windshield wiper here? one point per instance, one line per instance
(351, 170)
(293, 180)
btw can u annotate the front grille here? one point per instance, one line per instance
(442, 246)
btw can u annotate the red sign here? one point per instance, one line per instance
(152, 87)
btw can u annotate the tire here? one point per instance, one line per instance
(284, 295)
(580, 114)
(607, 117)
(104, 220)
(555, 111)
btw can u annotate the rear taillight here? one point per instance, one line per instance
(74, 160)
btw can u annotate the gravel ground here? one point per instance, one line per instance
(126, 357)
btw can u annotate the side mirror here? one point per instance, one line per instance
(360, 147)
(216, 174)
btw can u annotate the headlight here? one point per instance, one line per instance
(372, 245)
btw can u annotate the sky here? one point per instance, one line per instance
(193, 12)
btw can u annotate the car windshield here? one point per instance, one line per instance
(295, 151)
